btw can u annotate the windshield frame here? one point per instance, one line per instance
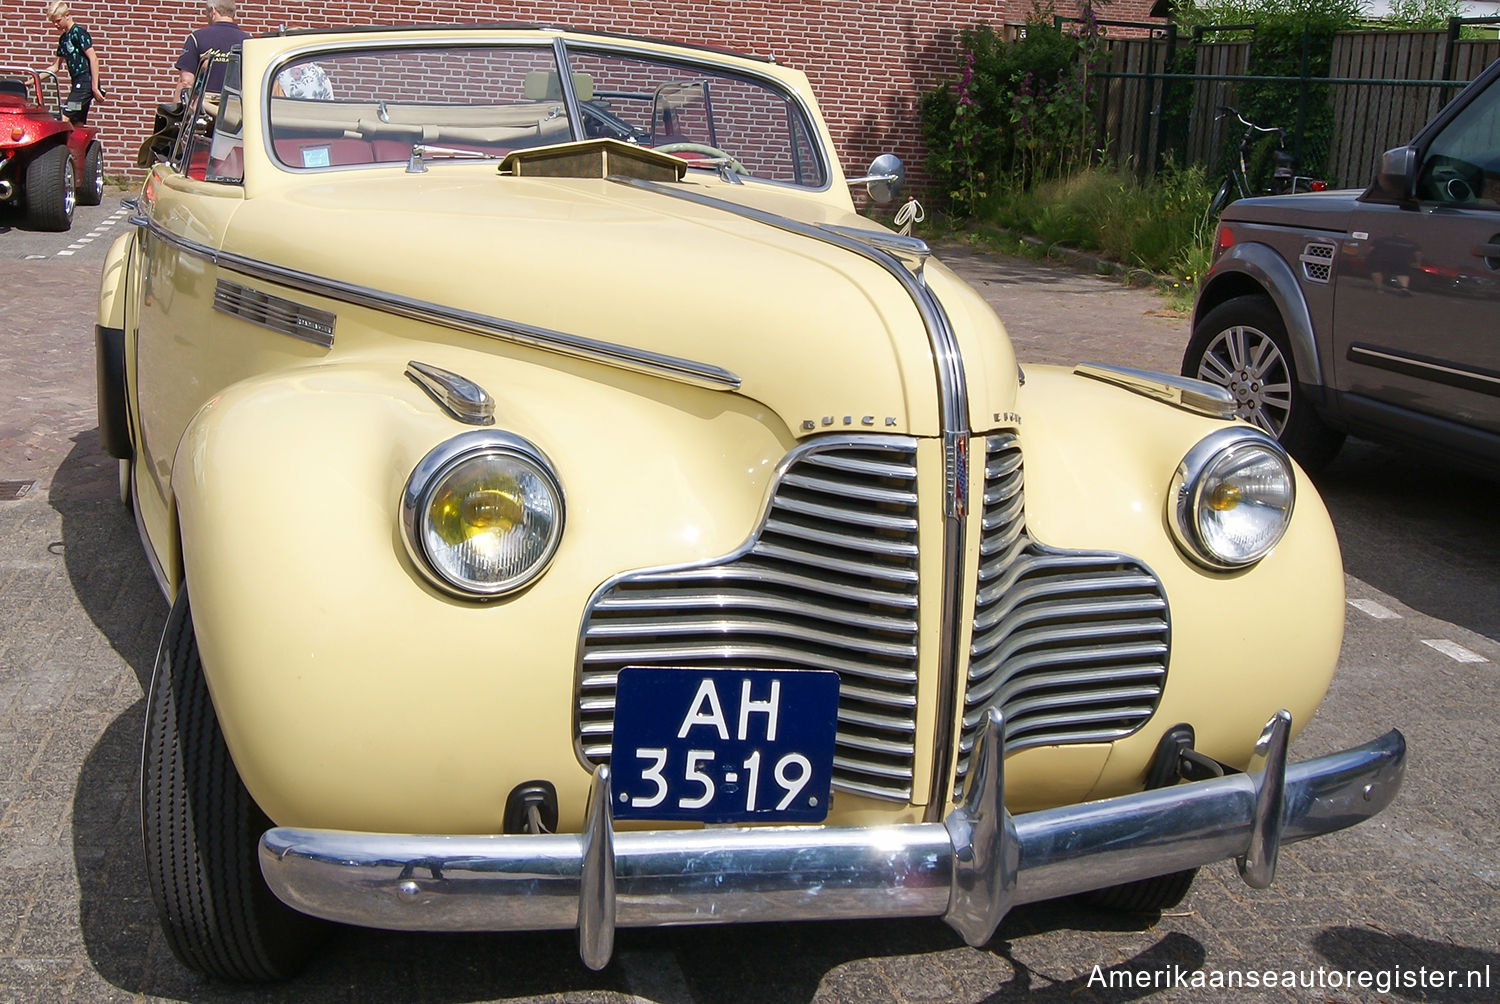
(820, 166)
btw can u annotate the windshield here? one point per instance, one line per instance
(357, 107)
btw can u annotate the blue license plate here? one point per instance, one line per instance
(723, 745)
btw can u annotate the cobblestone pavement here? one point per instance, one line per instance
(1417, 887)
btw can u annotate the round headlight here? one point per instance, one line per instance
(1232, 498)
(482, 514)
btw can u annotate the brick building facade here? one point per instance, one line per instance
(869, 60)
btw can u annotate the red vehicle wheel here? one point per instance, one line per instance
(49, 190)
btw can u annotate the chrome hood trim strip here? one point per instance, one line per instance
(903, 258)
(1182, 392)
(686, 371)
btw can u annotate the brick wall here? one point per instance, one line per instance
(869, 60)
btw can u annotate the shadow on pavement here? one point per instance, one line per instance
(1425, 532)
(1408, 964)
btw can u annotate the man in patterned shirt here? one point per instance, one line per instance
(76, 48)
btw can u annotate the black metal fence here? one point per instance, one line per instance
(1381, 87)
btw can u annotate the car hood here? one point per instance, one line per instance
(819, 333)
(1310, 210)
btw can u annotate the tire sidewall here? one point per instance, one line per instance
(91, 187)
(49, 190)
(1306, 436)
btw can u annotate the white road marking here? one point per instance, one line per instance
(1374, 610)
(62, 253)
(1453, 650)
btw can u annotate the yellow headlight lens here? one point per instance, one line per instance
(483, 521)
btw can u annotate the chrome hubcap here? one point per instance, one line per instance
(70, 197)
(1245, 361)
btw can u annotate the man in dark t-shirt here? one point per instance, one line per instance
(221, 35)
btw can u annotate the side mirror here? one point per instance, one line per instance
(1396, 179)
(884, 179)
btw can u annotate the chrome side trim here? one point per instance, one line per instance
(462, 398)
(275, 313)
(576, 346)
(968, 870)
(1438, 371)
(953, 413)
(1184, 392)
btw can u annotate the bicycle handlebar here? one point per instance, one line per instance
(1251, 126)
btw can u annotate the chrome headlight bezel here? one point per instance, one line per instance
(1186, 499)
(433, 471)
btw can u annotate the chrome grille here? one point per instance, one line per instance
(829, 582)
(1317, 262)
(275, 312)
(1071, 646)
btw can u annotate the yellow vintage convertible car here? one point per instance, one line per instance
(575, 515)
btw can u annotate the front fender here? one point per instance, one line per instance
(352, 693)
(1099, 462)
(1262, 265)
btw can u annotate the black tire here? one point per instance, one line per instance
(49, 190)
(1150, 895)
(201, 830)
(91, 185)
(1242, 345)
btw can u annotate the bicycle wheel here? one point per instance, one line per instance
(1223, 197)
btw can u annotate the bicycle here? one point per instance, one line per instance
(1236, 183)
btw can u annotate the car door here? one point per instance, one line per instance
(181, 358)
(1418, 313)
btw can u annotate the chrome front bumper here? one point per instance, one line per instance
(969, 869)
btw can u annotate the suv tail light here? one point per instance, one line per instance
(1223, 242)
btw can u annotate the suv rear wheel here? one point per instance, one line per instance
(49, 190)
(1242, 346)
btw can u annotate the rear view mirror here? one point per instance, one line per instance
(1397, 177)
(883, 182)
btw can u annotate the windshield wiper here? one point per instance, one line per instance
(421, 150)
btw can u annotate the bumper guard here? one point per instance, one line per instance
(969, 869)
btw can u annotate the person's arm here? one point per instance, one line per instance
(187, 63)
(94, 72)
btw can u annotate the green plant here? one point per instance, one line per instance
(1422, 13)
(1289, 36)
(1019, 109)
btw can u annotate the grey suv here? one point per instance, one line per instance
(1375, 313)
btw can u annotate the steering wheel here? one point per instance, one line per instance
(707, 151)
(1452, 180)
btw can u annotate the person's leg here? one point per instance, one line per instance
(80, 96)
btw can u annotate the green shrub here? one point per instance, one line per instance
(1017, 109)
(1151, 225)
